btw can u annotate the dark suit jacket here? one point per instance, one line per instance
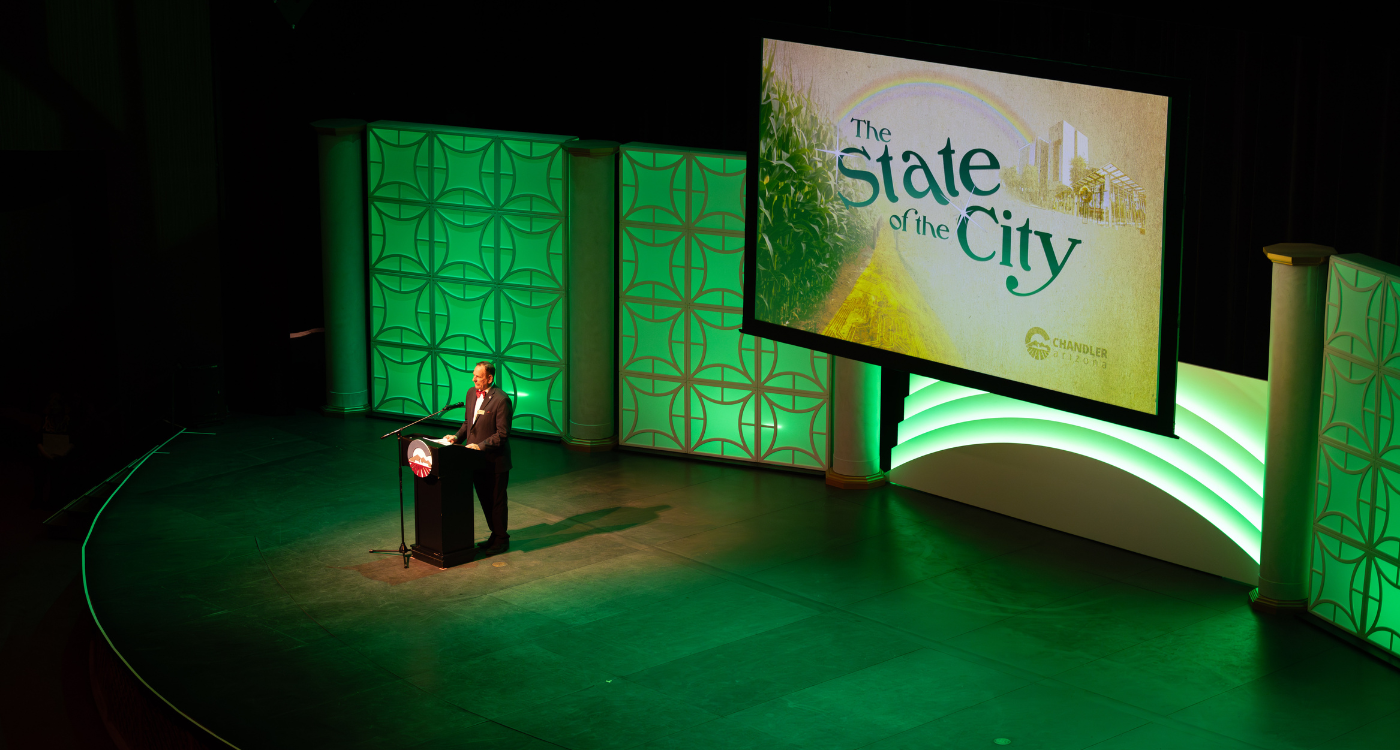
(492, 428)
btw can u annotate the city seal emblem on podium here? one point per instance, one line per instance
(420, 459)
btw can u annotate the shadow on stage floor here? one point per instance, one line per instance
(603, 521)
(651, 601)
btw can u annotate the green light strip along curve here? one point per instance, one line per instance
(1216, 468)
(87, 588)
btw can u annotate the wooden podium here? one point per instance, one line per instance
(442, 499)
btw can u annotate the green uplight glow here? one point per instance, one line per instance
(1356, 541)
(1216, 467)
(690, 382)
(468, 246)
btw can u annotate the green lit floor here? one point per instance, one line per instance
(661, 603)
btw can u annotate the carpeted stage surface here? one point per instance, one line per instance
(656, 602)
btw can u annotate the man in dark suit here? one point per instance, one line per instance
(487, 429)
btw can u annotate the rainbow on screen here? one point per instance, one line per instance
(953, 90)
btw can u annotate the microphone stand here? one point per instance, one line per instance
(398, 469)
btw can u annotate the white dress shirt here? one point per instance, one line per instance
(477, 408)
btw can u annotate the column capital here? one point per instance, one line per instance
(1299, 253)
(592, 149)
(338, 127)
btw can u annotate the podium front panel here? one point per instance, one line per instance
(442, 500)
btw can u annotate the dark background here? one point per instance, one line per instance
(159, 215)
(159, 204)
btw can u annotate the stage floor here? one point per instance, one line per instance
(651, 601)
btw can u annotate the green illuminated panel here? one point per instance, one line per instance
(1356, 546)
(690, 382)
(1212, 468)
(467, 263)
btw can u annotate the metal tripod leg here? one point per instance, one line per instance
(403, 534)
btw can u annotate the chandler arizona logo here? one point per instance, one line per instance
(1038, 348)
(1039, 343)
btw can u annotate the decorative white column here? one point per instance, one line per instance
(1290, 449)
(855, 426)
(341, 146)
(592, 296)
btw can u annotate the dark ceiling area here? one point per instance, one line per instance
(169, 218)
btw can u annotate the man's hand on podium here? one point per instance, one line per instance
(450, 439)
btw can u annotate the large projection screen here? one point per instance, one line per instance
(1009, 224)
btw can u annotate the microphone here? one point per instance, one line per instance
(457, 405)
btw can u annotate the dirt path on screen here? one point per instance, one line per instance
(846, 280)
(886, 309)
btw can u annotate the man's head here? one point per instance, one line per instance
(483, 375)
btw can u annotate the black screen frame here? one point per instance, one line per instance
(1177, 91)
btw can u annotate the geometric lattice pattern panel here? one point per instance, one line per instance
(468, 250)
(1356, 540)
(690, 381)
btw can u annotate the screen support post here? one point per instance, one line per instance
(403, 549)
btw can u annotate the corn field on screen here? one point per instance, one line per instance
(1000, 224)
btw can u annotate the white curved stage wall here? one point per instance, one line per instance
(1195, 501)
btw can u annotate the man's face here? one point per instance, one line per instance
(481, 379)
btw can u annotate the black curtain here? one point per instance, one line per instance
(1291, 130)
(1291, 135)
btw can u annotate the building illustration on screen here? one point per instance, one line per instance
(1066, 145)
(1054, 173)
(1051, 160)
(1033, 164)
